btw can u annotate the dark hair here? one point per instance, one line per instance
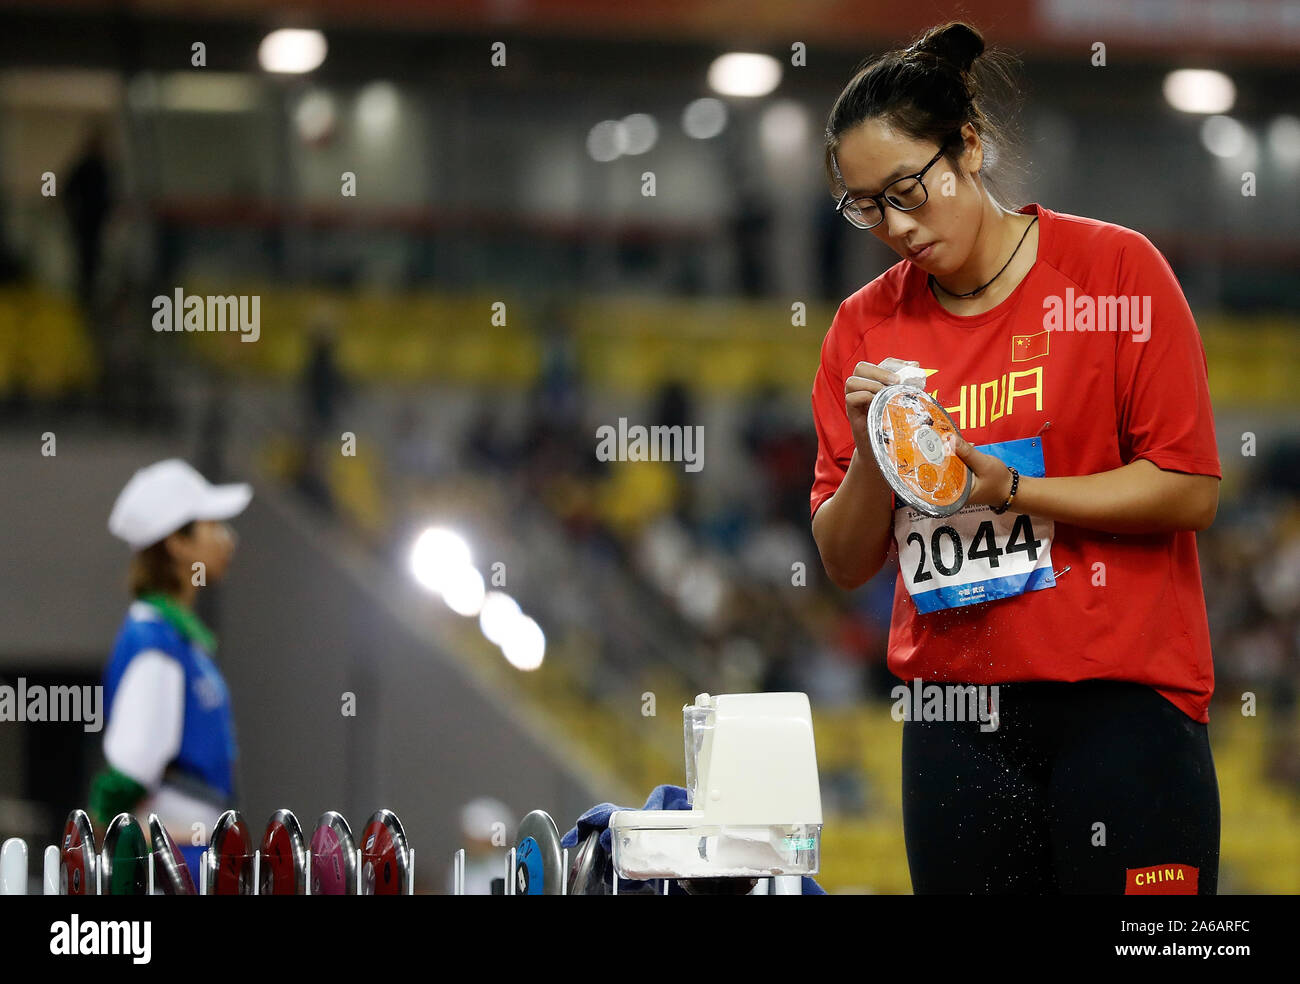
(927, 91)
(153, 569)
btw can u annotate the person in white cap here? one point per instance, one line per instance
(169, 743)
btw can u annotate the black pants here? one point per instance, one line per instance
(1017, 809)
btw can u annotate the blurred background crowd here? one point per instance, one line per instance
(480, 231)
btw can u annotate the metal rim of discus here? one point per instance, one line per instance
(886, 464)
(587, 873)
(540, 828)
(344, 848)
(176, 878)
(125, 837)
(283, 826)
(232, 827)
(78, 844)
(385, 821)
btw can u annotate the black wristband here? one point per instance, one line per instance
(1015, 484)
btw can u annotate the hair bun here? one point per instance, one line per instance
(954, 42)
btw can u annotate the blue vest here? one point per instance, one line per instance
(205, 765)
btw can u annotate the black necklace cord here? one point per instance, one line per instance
(972, 293)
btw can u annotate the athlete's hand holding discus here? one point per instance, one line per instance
(992, 477)
(860, 389)
(853, 531)
(864, 513)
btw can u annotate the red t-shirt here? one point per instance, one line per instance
(1110, 399)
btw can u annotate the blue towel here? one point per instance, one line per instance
(661, 798)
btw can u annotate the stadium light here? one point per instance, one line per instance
(524, 644)
(292, 51)
(438, 558)
(606, 141)
(1200, 90)
(1284, 141)
(1223, 136)
(378, 110)
(640, 131)
(497, 615)
(464, 593)
(314, 117)
(704, 118)
(744, 74)
(784, 128)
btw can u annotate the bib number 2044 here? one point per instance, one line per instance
(983, 547)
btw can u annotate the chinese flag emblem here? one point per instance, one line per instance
(1025, 347)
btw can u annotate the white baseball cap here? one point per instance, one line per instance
(163, 497)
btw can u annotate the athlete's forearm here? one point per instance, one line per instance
(1136, 498)
(853, 527)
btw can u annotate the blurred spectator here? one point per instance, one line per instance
(87, 196)
(323, 385)
(324, 390)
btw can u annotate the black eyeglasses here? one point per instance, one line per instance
(905, 194)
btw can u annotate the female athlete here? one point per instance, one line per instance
(1069, 587)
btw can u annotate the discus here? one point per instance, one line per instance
(231, 848)
(169, 863)
(538, 865)
(590, 864)
(77, 856)
(915, 445)
(333, 856)
(125, 857)
(384, 857)
(284, 859)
